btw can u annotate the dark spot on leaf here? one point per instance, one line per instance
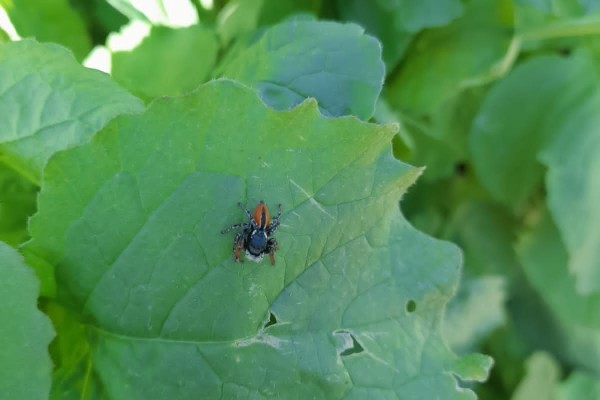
(461, 168)
(565, 51)
(272, 320)
(411, 306)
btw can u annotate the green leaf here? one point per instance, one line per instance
(238, 17)
(486, 233)
(556, 125)
(49, 21)
(335, 63)
(580, 386)
(274, 11)
(544, 259)
(543, 373)
(352, 308)
(574, 317)
(395, 22)
(49, 103)
(476, 310)
(168, 62)
(17, 204)
(474, 367)
(25, 332)
(3, 36)
(440, 139)
(474, 49)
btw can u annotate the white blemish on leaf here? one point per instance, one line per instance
(311, 199)
(261, 338)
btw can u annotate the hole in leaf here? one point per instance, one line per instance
(356, 347)
(350, 345)
(411, 306)
(271, 321)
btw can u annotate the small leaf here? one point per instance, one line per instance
(49, 21)
(335, 63)
(25, 332)
(49, 103)
(541, 379)
(351, 309)
(474, 367)
(168, 62)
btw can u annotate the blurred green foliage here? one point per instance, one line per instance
(498, 99)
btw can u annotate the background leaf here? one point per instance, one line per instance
(319, 323)
(555, 125)
(395, 22)
(24, 333)
(335, 63)
(168, 62)
(575, 317)
(49, 21)
(17, 203)
(470, 51)
(49, 103)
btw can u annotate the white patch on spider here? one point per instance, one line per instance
(311, 199)
(253, 258)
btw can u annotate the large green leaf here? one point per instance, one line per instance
(351, 309)
(335, 63)
(24, 332)
(168, 62)
(395, 22)
(49, 102)
(553, 105)
(49, 21)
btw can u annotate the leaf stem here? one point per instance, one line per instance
(574, 27)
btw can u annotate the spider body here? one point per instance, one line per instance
(256, 236)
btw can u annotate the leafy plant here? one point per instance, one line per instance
(114, 189)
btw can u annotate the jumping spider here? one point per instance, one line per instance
(256, 236)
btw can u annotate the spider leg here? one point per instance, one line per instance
(275, 222)
(272, 247)
(238, 246)
(235, 226)
(248, 213)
